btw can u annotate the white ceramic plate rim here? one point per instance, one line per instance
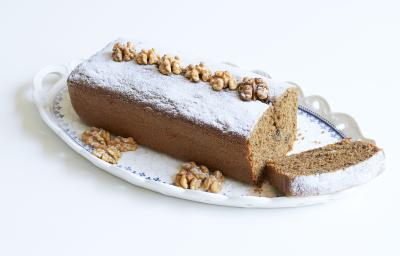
(315, 104)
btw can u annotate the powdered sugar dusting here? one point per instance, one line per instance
(330, 182)
(174, 94)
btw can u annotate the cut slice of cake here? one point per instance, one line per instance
(190, 121)
(325, 170)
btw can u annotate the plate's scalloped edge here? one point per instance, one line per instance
(42, 98)
(345, 124)
(319, 106)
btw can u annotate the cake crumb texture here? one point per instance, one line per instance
(327, 169)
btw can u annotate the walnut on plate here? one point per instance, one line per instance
(123, 144)
(110, 154)
(96, 137)
(107, 147)
(192, 176)
(122, 52)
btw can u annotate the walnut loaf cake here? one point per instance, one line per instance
(187, 120)
(327, 169)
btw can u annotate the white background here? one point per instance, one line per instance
(53, 202)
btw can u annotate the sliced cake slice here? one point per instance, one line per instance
(325, 170)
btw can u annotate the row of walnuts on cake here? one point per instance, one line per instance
(248, 89)
(109, 148)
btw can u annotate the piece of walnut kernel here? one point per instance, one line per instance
(262, 91)
(124, 144)
(188, 166)
(177, 180)
(217, 83)
(107, 147)
(204, 72)
(232, 84)
(214, 182)
(128, 51)
(197, 172)
(96, 137)
(141, 57)
(123, 52)
(152, 57)
(117, 54)
(228, 81)
(169, 65)
(207, 182)
(215, 187)
(192, 73)
(183, 182)
(192, 176)
(197, 73)
(246, 91)
(195, 184)
(204, 169)
(110, 154)
(218, 175)
(165, 65)
(176, 65)
(147, 57)
(253, 89)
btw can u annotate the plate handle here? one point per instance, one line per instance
(40, 93)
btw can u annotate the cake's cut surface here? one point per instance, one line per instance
(327, 169)
(187, 120)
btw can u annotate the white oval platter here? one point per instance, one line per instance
(155, 171)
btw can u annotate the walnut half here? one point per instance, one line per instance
(110, 154)
(96, 137)
(169, 65)
(124, 144)
(253, 89)
(147, 57)
(107, 147)
(223, 79)
(192, 176)
(122, 52)
(197, 73)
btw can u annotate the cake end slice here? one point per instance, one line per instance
(326, 170)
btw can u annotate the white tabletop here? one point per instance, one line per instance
(54, 202)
